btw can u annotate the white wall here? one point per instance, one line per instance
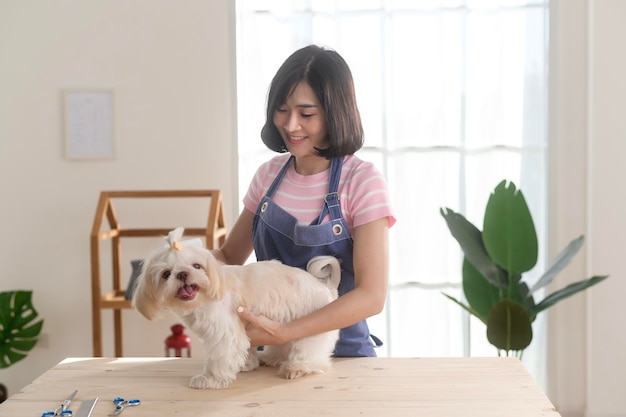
(587, 369)
(567, 368)
(607, 139)
(171, 66)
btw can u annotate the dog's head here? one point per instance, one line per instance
(179, 276)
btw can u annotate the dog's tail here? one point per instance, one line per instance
(326, 269)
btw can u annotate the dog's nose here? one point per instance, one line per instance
(181, 276)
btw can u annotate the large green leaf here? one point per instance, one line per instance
(479, 293)
(470, 240)
(18, 329)
(560, 262)
(509, 233)
(509, 326)
(567, 292)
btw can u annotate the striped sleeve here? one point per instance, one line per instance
(365, 193)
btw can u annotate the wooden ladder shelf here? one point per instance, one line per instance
(214, 233)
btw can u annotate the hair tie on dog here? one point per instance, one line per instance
(173, 238)
(175, 243)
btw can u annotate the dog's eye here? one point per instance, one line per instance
(166, 274)
(197, 266)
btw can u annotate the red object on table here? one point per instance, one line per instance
(178, 341)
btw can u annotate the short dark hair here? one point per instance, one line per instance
(328, 74)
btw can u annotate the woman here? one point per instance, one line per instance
(317, 199)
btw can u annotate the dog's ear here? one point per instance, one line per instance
(145, 297)
(215, 276)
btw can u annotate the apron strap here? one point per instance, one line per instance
(270, 191)
(331, 200)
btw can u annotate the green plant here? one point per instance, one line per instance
(18, 329)
(494, 262)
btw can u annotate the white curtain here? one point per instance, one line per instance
(453, 97)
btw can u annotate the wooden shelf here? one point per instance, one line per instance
(114, 300)
(214, 233)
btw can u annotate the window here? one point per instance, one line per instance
(453, 96)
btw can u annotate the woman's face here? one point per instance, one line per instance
(301, 121)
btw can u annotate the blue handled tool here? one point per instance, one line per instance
(62, 410)
(121, 404)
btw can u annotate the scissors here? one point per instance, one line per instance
(121, 404)
(62, 409)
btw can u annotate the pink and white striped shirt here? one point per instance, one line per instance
(362, 191)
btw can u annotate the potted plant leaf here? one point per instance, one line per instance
(494, 261)
(18, 329)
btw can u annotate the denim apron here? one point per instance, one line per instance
(277, 235)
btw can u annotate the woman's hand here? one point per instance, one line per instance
(260, 330)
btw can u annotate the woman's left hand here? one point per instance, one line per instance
(260, 330)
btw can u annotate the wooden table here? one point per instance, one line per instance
(449, 387)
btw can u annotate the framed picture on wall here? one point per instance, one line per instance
(89, 124)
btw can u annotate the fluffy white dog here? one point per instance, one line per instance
(205, 294)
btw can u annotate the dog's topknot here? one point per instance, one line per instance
(175, 242)
(173, 238)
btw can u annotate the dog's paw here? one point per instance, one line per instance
(271, 358)
(251, 364)
(293, 373)
(204, 382)
(272, 362)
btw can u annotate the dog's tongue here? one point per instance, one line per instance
(186, 292)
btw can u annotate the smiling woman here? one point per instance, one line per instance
(452, 98)
(312, 116)
(301, 124)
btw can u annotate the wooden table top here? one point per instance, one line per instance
(378, 387)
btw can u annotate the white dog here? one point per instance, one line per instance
(205, 294)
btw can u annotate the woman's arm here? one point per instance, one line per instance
(365, 300)
(238, 245)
